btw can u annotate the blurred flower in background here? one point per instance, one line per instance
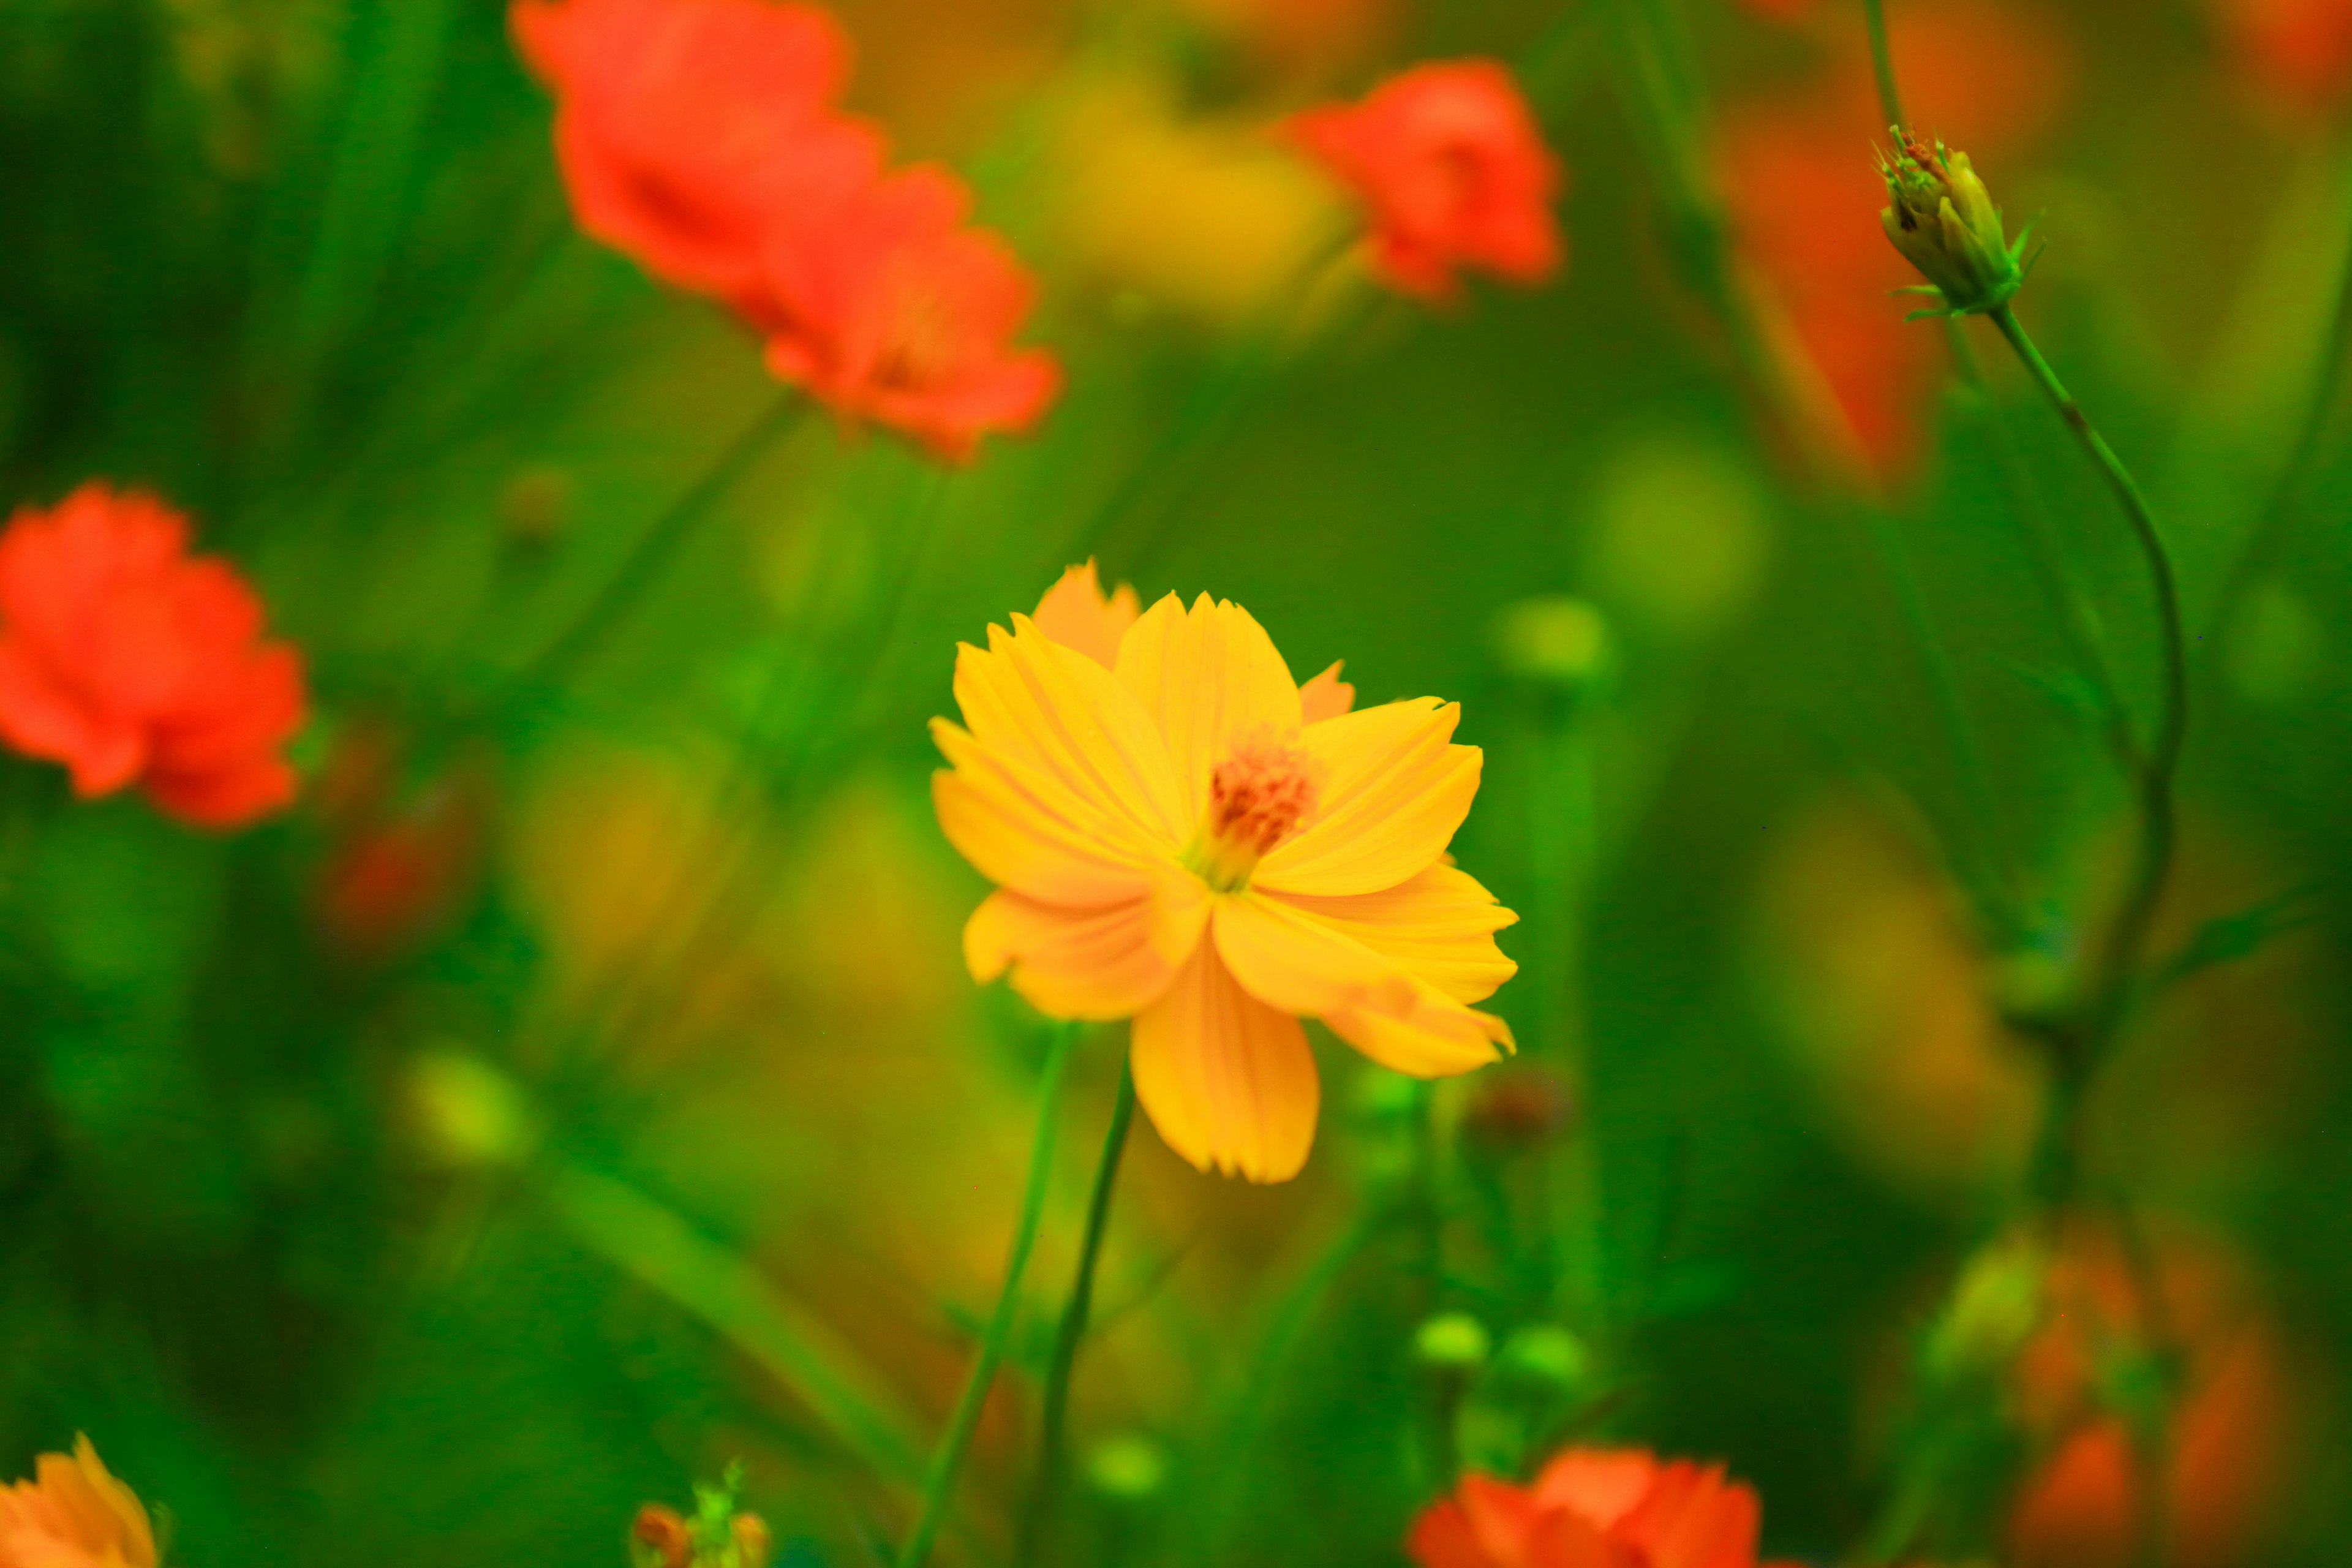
(74, 1514)
(1594, 1508)
(2302, 48)
(1454, 174)
(131, 662)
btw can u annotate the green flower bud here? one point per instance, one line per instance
(1944, 221)
(1453, 1341)
(1127, 1467)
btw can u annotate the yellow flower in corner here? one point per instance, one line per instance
(1183, 834)
(74, 1514)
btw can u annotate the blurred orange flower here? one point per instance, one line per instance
(688, 130)
(1452, 167)
(2227, 1463)
(128, 661)
(1174, 840)
(890, 309)
(1594, 1508)
(2299, 48)
(73, 1514)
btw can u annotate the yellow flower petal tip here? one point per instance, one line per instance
(74, 1513)
(1183, 834)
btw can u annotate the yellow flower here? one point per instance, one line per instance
(73, 1515)
(1182, 836)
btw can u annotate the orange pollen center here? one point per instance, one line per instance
(1258, 797)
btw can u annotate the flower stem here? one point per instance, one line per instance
(2160, 764)
(1072, 1332)
(1882, 63)
(658, 546)
(941, 1487)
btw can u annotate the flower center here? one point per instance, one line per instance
(1258, 797)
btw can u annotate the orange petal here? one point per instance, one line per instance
(1107, 962)
(1326, 697)
(1061, 715)
(1394, 789)
(1078, 614)
(1227, 1080)
(1287, 959)
(1439, 926)
(1208, 676)
(1029, 833)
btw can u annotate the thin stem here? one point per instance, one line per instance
(2135, 916)
(658, 546)
(1882, 63)
(939, 1489)
(793, 1345)
(1072, 1332)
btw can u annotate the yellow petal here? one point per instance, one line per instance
(1078, 614)
(1289, 960)
(1030, 834)
(1060, 715)
(1227, 1080)
(1394, 789)
(1101, 963)
(1439, 925)
(1208, 676)
(1326, 697)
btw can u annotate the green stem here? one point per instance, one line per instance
(940, 1488)
(1882, 63)
(2269, 534)
(2136, 917)
(659, 545)
(790, 1343)
(1072, 1332)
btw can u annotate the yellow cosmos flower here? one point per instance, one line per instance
(74, 1514)
(1183, 834)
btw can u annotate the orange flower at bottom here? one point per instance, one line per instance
(1176, 841)
(1594, 1508)
(74, 1514)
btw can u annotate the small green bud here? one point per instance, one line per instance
(1995, 1309)
(1453, 1341)
(1554, 640)
(1944, 221)
(1543, 1355)
(1127, 1467)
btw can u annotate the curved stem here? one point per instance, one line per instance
(940, 1485)
(1071, 1331)
(2135, 916)
(658, 547)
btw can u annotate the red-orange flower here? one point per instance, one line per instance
(689, 131)
(1594, 1508)
(1449, 161)
(130, 661)
(2300, 47)
(893, 310)
(73, 1514)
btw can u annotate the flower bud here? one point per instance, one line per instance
(1453, 1341)
(1944, 221)
(660, 1539)
(1995, 1306)
(1128, 1467)
(753, 1543)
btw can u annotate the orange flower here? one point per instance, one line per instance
(889, 309)
(2302, 48)
(1453, 168)
(689, 131)
(127, 662)
(1593, 1508)
(1176, 841)
(2228, 1463)
(73, 1514)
